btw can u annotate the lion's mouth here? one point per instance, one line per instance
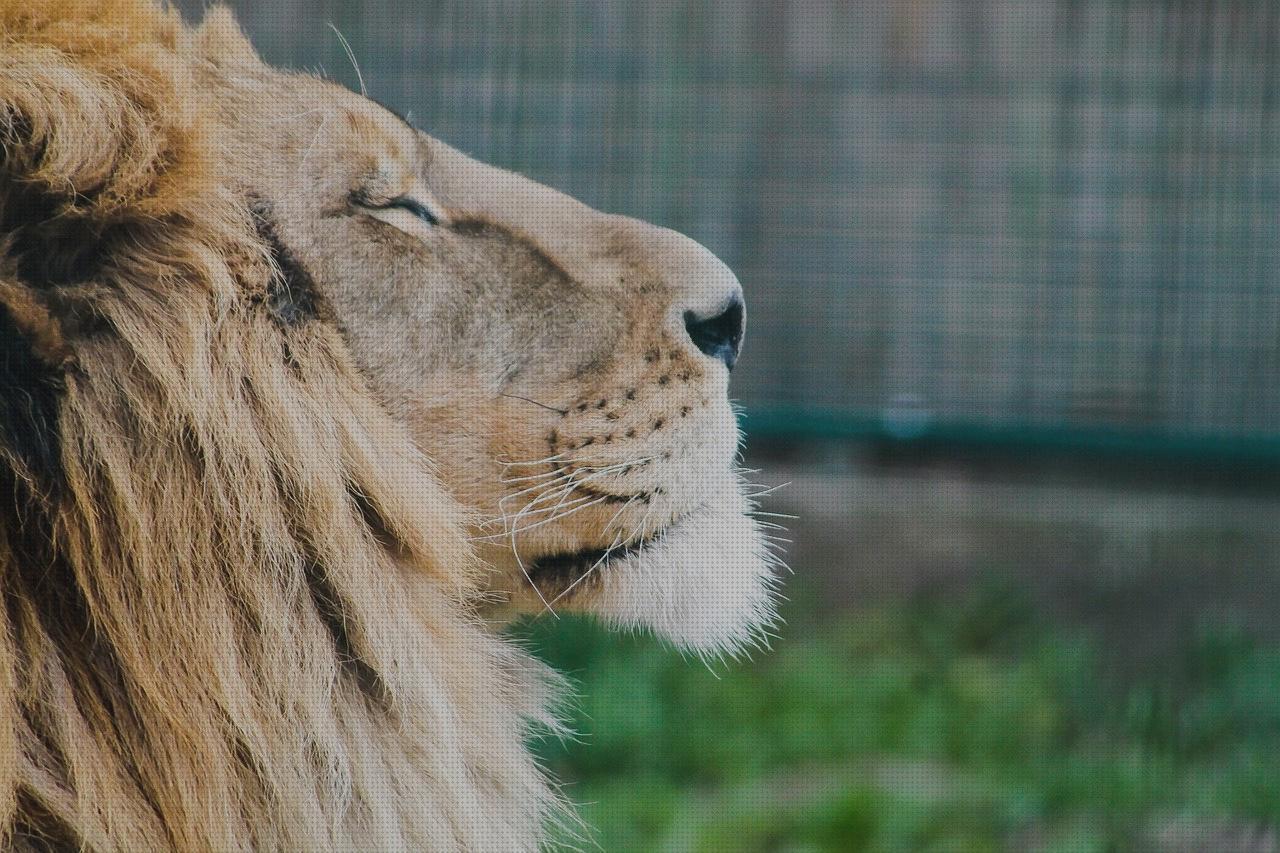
(555, 571)
(560, 570)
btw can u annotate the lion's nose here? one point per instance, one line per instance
(719, 336)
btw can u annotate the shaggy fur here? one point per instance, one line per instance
(235, 614)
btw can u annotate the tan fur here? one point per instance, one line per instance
(243, 609)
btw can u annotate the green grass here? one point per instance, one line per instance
(957, 725)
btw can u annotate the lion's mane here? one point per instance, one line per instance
(236, 602)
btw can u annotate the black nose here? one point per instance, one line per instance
(719, 336)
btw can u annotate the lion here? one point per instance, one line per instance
(298, 407)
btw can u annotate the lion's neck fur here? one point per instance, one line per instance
(237, 603)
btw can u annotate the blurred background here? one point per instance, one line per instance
(1014, 347)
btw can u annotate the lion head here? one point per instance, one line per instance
(295, 400)
(565, 370)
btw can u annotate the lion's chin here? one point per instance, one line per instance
(706, 583)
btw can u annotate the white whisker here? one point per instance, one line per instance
(514, 521)
(766, 490)
(535, 488)
(520, 562)
(565, 510)
(588, 572)
(324, 122)
(532, 462)
(625, 506)
(531, 477)
(757, 512)
(545, 521)
(351, 55)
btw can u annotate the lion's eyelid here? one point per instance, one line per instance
(413, 202)
(417, 208)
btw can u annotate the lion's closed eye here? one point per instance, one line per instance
(409, 213)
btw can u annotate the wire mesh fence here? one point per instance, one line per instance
(1005, 214)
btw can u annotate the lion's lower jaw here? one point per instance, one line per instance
(708, 585)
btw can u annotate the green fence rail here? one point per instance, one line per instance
(1257, 453)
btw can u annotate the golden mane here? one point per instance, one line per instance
(237, 602)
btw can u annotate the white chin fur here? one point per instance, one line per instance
(707, 584)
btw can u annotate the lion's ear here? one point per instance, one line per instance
(98, 134)
(64, 138)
